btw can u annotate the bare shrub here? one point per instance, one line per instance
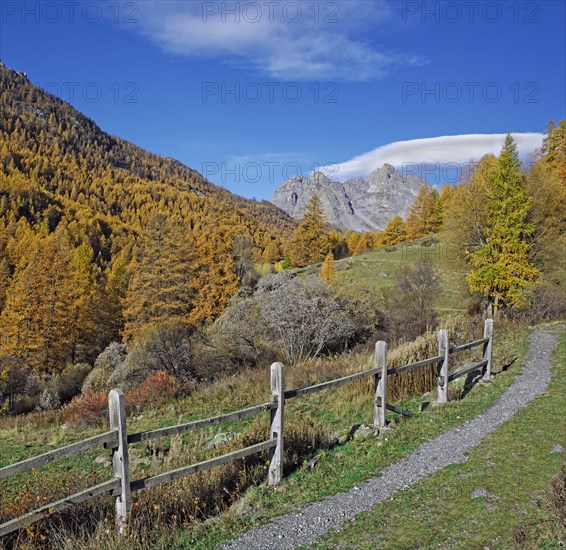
(237, 333)
(412, 304)
(545, 301)
(155, 390)
(302, 317)
(167, 346)
(109, 361)
(287, 317)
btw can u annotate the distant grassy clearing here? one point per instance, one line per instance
(378, 269)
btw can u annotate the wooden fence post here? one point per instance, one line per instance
(277, 423)
(442, 383)
(380, 395)
(488, 347)
(120, 464)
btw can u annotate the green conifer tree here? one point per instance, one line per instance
(502, 270)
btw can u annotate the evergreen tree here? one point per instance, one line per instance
(546, 187)
(365, 244)
(271, 254)
(338, 244)
(5, 276)
(502, 270)
(554, 148)
(352, 239)
(36, 322)
(115, 291)
(466, 215)
(213, 273)
(85, 304)
(425, 214)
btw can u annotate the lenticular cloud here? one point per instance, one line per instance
(459, 149)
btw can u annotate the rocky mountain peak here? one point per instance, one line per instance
(357, 204)
(386, 171)
(319, 177)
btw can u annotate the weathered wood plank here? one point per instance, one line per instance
(399, 410)
(289, 394)
(488, 347)
(148, 482)
(442, 382)
(463, 372)
(29, 518)
(469, 345)
(120, 459)
(276, 430)
(418, 364)
(108, 438)
(196, 424)
(380, 385)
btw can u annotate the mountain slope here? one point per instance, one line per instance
(36, 122)
(90, 196)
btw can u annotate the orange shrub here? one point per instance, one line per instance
(157, 388)
(87, 409)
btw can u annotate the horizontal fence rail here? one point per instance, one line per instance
(31, 517)
(398, 410)
(467, 370)
(108, 438)
(153, 481)
(118, 440)
(417, 365)
(289, 394)
(196, 424)
(465, 347)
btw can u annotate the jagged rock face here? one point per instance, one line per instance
(357, 204)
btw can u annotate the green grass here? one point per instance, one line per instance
(513, 465)
(378, 269)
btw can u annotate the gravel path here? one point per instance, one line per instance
(302, 528)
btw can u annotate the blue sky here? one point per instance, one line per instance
(251, 93)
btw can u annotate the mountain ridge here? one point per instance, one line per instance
(357, 204)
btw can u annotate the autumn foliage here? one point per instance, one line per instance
(99, 239)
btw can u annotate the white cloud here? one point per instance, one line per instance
(459, 149)
(276, 39)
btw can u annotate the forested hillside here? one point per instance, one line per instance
(99, 237)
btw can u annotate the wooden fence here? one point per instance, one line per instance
(117, 439)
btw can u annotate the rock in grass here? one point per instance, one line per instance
(365, 431)
(312, 463)
(479, 493)
(103, 459)
(219, 439)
